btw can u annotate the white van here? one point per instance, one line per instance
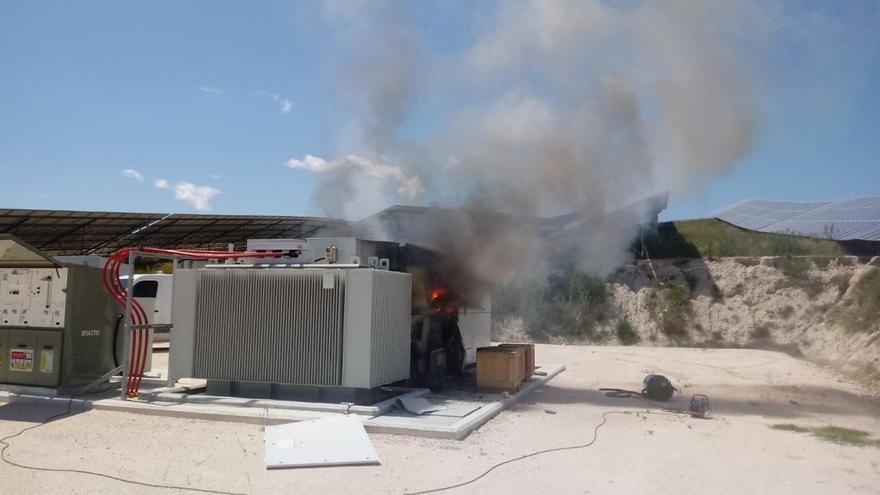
(154, 292)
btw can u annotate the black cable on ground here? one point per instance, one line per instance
(623, 393)
(620, 392)
(546, 451)
(5, 445)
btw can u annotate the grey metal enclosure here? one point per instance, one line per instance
(57, 325)
(324, 327)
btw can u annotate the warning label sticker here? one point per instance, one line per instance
(21, 360)
(47, 361)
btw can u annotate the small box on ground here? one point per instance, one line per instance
(528, 356)
(500, 368)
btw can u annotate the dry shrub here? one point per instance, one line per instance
(863, 314)
(671, 307)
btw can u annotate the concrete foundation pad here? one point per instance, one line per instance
(8, 389)
(464, 413)
(438, 425)
(180, 396)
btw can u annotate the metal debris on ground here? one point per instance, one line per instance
(418, 405)
(700, 407)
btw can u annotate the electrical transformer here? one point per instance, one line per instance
(57, 325)
(261, 329)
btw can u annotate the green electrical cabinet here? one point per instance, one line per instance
(33, 357)
(48, 356)
(22, 344)
(57, 324)
(4, 353)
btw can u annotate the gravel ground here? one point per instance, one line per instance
(736, 452)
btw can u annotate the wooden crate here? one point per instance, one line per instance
(529, 356)
(500, 368)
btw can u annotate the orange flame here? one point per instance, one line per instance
(441, 301)
(438, 294)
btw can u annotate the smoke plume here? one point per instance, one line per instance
(568, 107)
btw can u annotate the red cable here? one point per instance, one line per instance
(137, 316)
(140, 359)
(140, 336)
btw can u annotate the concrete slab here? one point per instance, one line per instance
(465, 411)
(455, 408)
(8, 389)
(184, 395)
(436, 425)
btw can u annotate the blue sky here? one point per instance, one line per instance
(220, 95)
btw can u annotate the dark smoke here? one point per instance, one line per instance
(557, 107)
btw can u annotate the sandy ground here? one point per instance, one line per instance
(735, 452)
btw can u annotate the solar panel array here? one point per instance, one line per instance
(856, 219)
(58, 232)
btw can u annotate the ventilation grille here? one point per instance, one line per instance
(269, 326)
(390, 339)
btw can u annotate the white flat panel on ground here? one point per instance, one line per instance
(335, 441)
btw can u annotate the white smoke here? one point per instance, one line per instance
(555, 107)
(407, 186)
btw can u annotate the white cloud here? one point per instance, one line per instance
(409, 186)
(132, 174)
(284, 104)
(215, 176)
(162, 184)
(211, 91)
(199, 197)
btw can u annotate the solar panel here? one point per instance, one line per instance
(59, 232)
(856, 219)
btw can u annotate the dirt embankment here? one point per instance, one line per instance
(812, 307)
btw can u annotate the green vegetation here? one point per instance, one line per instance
(671, 307)
(847, 436)
(790, 427)
(812, 286)
(841, 281)
(845, 261)
(563, 303)
(786, 312)
(586, 290)
(760, 331)
(821, 262)
(795, 268)
(834, 434)
(625, 332)
(713, 238)
(864, 312)
(867, 293)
